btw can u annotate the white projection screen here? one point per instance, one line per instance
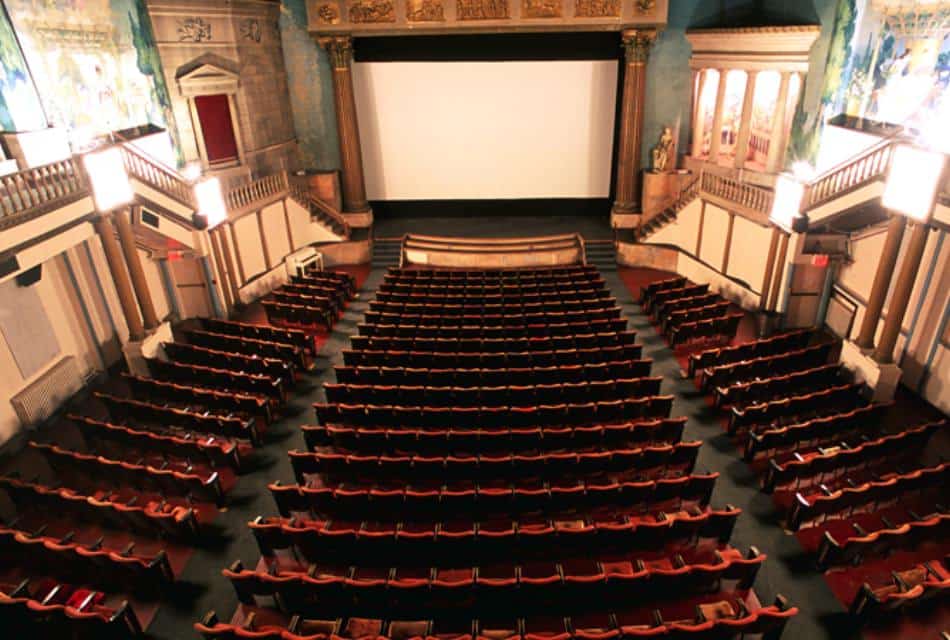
(486, 130)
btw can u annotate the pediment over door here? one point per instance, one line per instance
(206, 78)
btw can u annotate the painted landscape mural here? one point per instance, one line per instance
(95, 65)
(20, 107)
(889, 61)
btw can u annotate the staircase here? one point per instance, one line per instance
(386, 252)
(602, 254)
(668, 215)
(320, 211)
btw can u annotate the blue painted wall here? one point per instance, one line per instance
(311, 89)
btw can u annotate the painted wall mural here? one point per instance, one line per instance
(95, 64)
(20, 107)
(890, 62)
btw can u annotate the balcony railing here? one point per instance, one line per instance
(250, 194)
(871, 164)
(154, 174)
(39, 188)
(745, 199)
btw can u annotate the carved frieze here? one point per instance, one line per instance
(644, 6)
(194, 30)
(328, 13)
(372, 11)
(597, 8)
(251, 29)
(482, 9)
(541, 8)
(425, 11)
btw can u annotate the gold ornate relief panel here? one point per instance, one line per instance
(372, 11)
(403, 17)
(541, 9)
(425, 11)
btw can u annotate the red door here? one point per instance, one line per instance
(214, 114)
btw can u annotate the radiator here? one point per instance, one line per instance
(43, 396)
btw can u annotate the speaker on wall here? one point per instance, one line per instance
(9, 264)
(30, 276)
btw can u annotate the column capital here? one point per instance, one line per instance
(339, 49)
(637, 44)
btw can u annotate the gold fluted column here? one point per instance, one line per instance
(882, 281)
(120, 277)
(340, 51)
(903, 287)
(134, 262)
(769, 268)
(779, 271)
(636, 45)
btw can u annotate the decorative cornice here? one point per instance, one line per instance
(339, 49)
(800, 28)
(637, 44)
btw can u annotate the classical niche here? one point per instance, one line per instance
(482, 9)
(597, 8)
(540, 8)
(194, 30)
(251, 29)
(372, 11)
(328, 13)
(425, 11)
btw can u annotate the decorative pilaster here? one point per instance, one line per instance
(636, 45)
(882, 281)
(340, 51)
(777, 136)
(120, 277)
(715, 141)
(134, 262)
(697, 130)
(897, 308)
(745, 122)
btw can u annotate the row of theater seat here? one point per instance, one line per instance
(503, 345)
(568, 585)
(529, 537)
(497, 417)
(715, 616)
(503, 296)
(312, 300)
(630, 367)
(491, 396)
(868, 496)
(379, 439)
(54, 609)
(265, 348)
(687, 313)
(554, 327)
(492, 360)
(639, 463)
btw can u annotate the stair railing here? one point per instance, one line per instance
(745, 199)
(300, 191)
(38, 189)
(869, 165)
(250, 195)
(157, 175)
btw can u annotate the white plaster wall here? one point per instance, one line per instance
(249, 246)
(153, 278)
(275, 229)
(749, 253)
(715, 228)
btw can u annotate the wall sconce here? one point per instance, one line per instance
(108, 178)
(787, 205)
(913, 179)
(210, 200)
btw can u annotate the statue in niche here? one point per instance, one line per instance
(663, 151)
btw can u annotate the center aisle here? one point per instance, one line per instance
(788, 569)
